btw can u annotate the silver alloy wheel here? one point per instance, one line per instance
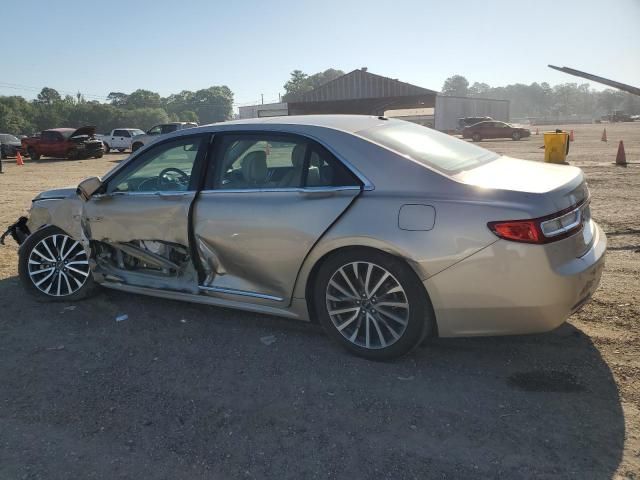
(58, 265)
(367, 305)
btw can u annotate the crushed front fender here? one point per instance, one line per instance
(19, 231)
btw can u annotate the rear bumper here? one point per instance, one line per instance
(510, 288)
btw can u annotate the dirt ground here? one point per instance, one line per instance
(189, 391)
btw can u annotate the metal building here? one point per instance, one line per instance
(263, 110)
(361, 92)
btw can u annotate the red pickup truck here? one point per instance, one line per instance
(68, 143)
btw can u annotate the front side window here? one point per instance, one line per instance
(267, 161)
(155, 130)
(168, 128)
(165, 167)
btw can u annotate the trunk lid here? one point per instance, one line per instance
(553, 188)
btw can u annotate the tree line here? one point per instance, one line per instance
(544, 100)
(139, 109)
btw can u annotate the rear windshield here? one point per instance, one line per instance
(429, 147)
(6, 138)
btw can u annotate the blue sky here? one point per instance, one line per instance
(252, 46)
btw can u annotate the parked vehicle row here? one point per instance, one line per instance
(78, 143)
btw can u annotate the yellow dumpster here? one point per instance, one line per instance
(556, 146)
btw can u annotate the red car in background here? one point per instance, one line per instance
(494, 129)
(71, 143)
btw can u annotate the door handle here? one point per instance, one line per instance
(172, 195)
(317, 193)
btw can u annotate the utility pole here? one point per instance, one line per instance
(262, 97)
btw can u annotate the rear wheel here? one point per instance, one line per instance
(33, 154)
(55, 267)
(515, 135)
(476, 137)
(372, 303)
(136, 146)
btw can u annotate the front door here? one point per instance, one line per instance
(142, 213)
(267, 202)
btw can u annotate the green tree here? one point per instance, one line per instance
(297, 85)
(49, 96)
(143, 99)
(456, 86)
(117, 99)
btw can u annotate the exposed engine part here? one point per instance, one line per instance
(143, 255)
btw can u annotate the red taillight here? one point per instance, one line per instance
(518, 231)
(546, 229)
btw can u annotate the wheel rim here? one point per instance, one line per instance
(58, 265)
(367, 305)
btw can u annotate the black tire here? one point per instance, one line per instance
(516, 136)
(29, 278)
(420, 319)
(73, 154)
(33, 154)
(107, 148)
(98, 155)
(136, 146)
(476, 137)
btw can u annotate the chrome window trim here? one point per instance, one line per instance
(242, 293)
(283, 190)
(579, 216)
(155, 193)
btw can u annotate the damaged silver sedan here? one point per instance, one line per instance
(384, 231)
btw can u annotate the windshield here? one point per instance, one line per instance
(6, 138)
(136, 131)
(429, 147)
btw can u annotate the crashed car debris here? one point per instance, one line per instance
(71, 143)
(383, 231)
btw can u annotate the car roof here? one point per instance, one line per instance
(60, 130)
(346, 123)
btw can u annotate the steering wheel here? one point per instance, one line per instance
(164, 179)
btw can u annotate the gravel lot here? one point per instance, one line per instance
(190, 391)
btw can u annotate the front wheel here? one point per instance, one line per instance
(107, 148)
(372, 303)
(515, 136)
(55, 267)
(136, 146)
(99, 155)
(33, 154)
(476, 137)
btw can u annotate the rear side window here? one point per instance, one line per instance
(169, 128)
(276, 161)
(429, 147)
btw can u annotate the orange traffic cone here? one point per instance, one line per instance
(19, 160)
(571, 136)
(604, 135)
(621, 157)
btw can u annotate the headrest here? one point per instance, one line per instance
(297, 155)
(254, 168)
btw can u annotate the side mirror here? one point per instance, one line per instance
(88, 187)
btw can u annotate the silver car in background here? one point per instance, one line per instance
(383, 231)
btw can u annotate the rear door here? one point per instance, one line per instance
(268, 200)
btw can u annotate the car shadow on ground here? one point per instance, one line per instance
(182, 390)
